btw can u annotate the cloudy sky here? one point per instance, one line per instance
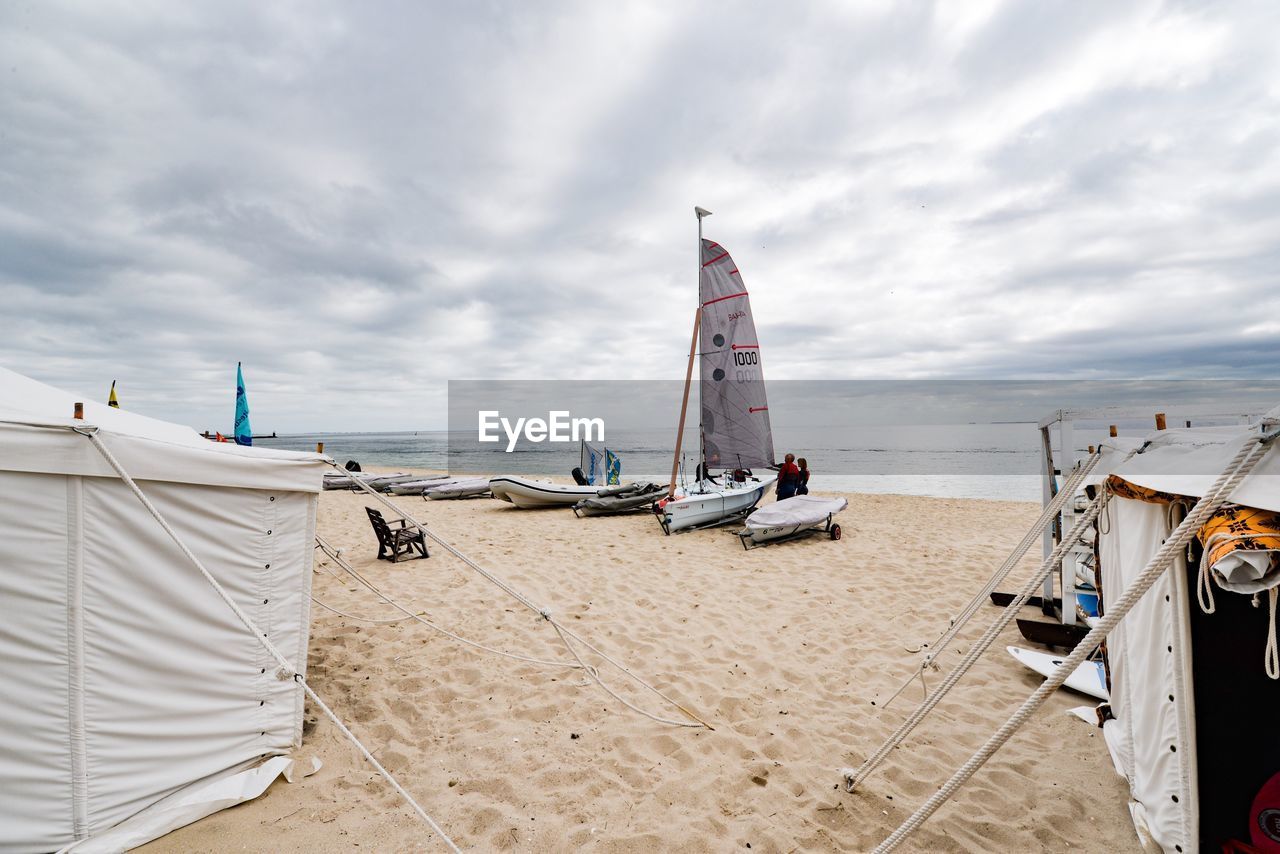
(362, 201)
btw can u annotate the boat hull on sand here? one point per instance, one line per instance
(710, 505)
(537, 494)
(628, 499)
(1090, 677)
(415, 487)
(471, 487)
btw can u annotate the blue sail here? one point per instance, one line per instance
(244, 433)
(613, 466)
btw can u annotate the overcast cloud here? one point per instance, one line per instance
(362, 201)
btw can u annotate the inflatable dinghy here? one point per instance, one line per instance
(343, 481)
(620, 499)
(466, 487)
(530, 494)
(791, 518)
(384, 482)
(415, 487)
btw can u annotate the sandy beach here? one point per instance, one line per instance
(787, 651)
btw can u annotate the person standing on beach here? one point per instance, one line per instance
(803, 488)
(788, 478)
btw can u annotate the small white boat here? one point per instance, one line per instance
(708, 504)
(467, 487)
(792, 517)
(1090, 677)
(529, 494)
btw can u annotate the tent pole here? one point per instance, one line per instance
(1051, 532)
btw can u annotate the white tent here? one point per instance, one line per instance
(1185, 684)
(132, 700)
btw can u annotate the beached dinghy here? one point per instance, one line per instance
(791, 518)
(465, 487)
(343, 481)
(415, 487)
(383, 483)
(529, 494)
(620, 499)
(736, 435)
(708, 504)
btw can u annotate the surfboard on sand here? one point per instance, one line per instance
(1090, 677)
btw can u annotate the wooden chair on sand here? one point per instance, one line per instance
(397, 543)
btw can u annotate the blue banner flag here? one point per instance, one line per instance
(613, 467)
(244, 433)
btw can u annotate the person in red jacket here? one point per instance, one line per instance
(788, 478)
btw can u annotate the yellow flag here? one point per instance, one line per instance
(112, 400)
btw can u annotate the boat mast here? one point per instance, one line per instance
(702, 436)
(688, 374)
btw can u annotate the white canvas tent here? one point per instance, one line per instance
(1183, 682)
(1191, 695)
(132, 700)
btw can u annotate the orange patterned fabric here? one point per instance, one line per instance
(1124, 489)
(1244, 528)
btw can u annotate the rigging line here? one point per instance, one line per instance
(614, 694)
(356, 617)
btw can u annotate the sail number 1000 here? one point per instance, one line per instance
(746, 357)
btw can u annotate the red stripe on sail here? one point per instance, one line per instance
(745, 347)
(733, 272)
(717, 258)
(721, 299)
(757, 408)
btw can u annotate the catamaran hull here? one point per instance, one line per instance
(713, 507)
(537, 494)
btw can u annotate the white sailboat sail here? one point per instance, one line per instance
(735, 412)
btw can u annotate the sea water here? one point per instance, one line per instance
(994, 461)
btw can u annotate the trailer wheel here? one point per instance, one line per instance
(835, 532)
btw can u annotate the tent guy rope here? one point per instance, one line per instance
(287, 670)
(1251, 451)
(410, 615)
(853, 777)
(1033, 533)
(563, 631)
